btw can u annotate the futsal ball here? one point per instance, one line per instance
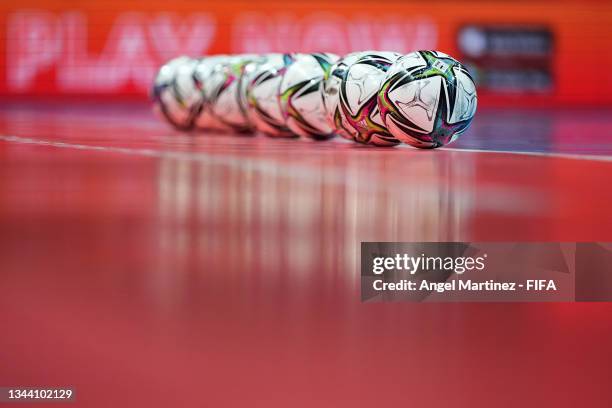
(300, 95)
(204, 119)
(261, 83)
(176, 94)
(330, 91)
(224, 102)
(427, 99)
(358, 110)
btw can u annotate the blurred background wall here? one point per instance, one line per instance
(522, 53)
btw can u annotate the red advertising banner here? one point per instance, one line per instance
(550, 52)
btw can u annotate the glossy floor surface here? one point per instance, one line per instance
(148, 268)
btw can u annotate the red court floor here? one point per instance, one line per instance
(150, 268)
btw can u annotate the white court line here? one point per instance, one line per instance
(224, 159)
(262, 165)
(305, 173)
(571, 156)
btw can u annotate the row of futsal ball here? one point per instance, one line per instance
(425, 99)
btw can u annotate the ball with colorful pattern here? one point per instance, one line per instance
(359, 115)
(330, 91)
(427, 99)
(204, 120)
(300, 95)
(176, 95)
(224, 101)
(261, 84)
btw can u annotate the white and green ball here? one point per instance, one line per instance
(261, 87)
(427, 99)
(300, 95)
(330, 91)
(205, 120)
(176, 94)
(224, 104)
(358, 113)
